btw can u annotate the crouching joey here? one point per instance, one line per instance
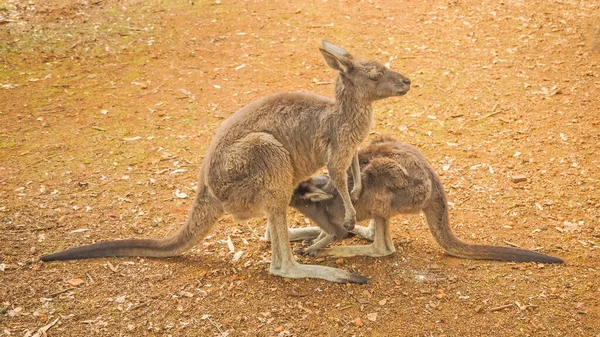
(396, 179)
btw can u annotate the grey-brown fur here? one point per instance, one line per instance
(263, 151)
(396, 180)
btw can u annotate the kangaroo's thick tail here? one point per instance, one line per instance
(206, 210)
(437, 219)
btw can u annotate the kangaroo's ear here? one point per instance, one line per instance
(336, 57)
(317, 195)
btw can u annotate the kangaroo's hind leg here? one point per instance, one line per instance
(282, 260)
(259, 177)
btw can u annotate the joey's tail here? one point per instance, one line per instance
(437, 219)
(206, 210)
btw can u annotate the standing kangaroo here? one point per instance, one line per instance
(263, 151)
(396, 180)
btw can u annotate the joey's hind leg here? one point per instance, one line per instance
(367, 233)
(382, 245)
(297, 234)
(328, 236)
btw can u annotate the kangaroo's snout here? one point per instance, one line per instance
(404, 85)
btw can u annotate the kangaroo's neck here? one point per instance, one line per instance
(348, 100)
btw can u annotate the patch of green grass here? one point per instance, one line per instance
(140, 61)
(7, 144)
(132, 76)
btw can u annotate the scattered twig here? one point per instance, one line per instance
(76, 44)
(253, 232)
(3, 180)
(89, 277)
(111, 267)
(36, 162)
(322, 83)
(488, 115)
(412, 57)
(501, 307)
(468, 209)
(152, 91)
(215, 325)
(143, 304)
(60, 292)
(494, 112)
(42, 331)
(512, 244)
(442, 89)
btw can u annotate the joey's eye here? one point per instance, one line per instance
(376, 76)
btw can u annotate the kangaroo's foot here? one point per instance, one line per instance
(297, 270)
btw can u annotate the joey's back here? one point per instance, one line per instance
(397, 173)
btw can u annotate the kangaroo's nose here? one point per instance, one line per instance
(406, 80)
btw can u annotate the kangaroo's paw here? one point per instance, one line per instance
(349, 224)
(355, 194)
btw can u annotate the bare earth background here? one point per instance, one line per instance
(107, 107)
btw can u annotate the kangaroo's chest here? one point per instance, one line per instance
(357, 126)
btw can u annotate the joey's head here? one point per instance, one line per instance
(318, 200)
(368, 80)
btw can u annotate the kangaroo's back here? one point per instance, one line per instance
(295, 119)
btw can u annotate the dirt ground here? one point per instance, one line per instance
(107, 108)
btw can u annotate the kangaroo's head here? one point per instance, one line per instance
(369, 80)
(318, 200)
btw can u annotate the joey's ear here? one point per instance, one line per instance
(333, 49)
(317, 195)
(336, 57)
(320, 180)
